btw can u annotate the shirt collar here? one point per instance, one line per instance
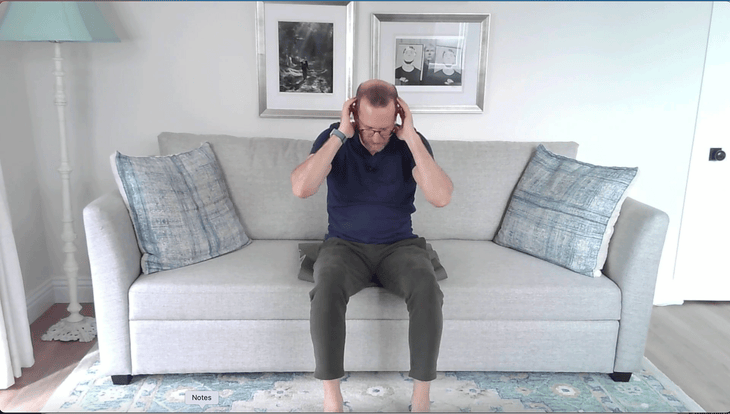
(360, 148)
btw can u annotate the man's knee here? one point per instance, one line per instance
(328, 289)
(431, 291)
(423, 285)
(420, 274)
(330, 281)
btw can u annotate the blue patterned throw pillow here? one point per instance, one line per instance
(179, 206)
(563, 211)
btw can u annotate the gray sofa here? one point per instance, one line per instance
(247, 311)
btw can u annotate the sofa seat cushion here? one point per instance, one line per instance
(491, 282)
(486, 282)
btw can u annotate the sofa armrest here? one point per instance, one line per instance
(633, 262)
(114, 257)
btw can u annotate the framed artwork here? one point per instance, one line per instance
(304, 53)
(438, 62)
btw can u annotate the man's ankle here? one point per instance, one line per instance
(331, 385)
(421, 401)
(421, 386)
(332, 396)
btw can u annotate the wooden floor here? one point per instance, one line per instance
(688, 343)
(54, 361)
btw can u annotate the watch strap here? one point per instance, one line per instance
(339, 135)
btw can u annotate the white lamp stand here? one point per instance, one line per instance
(75, 327)
(61, 21)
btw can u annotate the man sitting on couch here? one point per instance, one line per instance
(371, 183)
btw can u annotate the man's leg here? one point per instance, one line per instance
(421, 400)
(332, 396)
(406, 270)
(339, 273)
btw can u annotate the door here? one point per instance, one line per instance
(702, 268)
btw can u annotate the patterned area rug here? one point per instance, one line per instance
(649, 391)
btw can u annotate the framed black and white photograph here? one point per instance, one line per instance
(438, 62)
(304, 58)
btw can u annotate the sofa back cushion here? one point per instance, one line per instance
(484, 174)
(258, 174)
(258, 170)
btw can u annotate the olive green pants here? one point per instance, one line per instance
(343, 268)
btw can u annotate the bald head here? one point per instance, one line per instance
(377, 92)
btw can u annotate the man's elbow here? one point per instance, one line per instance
(300, 192)
(441, 202)
(442, 198)
(297, 188)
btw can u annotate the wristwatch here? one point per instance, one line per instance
(339, 135)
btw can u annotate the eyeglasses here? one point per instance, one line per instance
(370, 132)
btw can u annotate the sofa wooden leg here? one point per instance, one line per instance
(121, 379)
(620, 376)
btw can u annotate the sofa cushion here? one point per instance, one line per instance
(564, 211)
(486, 282)
(180, 207)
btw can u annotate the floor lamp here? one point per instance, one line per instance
(58, 22)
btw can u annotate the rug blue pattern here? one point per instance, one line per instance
(85, 390)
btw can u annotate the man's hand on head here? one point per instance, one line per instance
(346, 125)
(407, 129)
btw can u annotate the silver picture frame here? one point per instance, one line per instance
(465, 34)
(275, 103)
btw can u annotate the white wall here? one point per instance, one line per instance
(19, 163)
(621, 79)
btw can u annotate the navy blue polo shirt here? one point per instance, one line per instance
(370, 197)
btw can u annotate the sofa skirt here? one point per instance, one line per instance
(228, 346)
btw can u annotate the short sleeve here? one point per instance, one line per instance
(428, 148)
(323, 137)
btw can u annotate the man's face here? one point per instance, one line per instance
(430, 52)
(409, 55)
(449, 58)
(376, 125)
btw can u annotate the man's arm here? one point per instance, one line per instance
(436, 185)
(309, 175)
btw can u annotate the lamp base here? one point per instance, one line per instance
(83, 330)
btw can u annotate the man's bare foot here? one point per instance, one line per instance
(421, 402)
(332, 396)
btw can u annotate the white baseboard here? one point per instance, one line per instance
(668, 293)
(54, 291)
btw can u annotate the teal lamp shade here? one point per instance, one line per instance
(55, 21)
